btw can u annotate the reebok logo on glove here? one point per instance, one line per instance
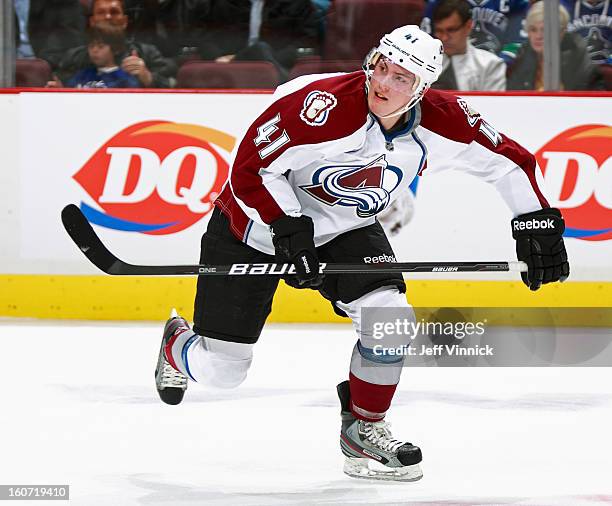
(305, 262)
(534, 224)
(539, 243)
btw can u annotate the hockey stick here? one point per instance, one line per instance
(84, 236)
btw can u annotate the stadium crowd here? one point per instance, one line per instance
(490, 45)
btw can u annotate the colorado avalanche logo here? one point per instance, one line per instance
(316, 107)
(368, 188)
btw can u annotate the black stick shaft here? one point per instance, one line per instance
(282, 269)
(84, 236)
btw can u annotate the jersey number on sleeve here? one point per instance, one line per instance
(264, 132)
(490, 133)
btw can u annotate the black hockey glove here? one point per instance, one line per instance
(294, 244)
(539, 243)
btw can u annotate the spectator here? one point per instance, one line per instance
(273, 30)
(104, 41)
(48, 28)
(465, 67)
(592, 21)
(141, 60)
(497, 25)
(577, 71)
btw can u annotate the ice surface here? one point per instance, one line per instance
(79, 407)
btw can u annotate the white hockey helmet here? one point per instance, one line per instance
(414, 50)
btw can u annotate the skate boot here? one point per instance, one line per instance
(370, 450)
(170, 383)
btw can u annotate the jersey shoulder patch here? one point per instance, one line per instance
(317, 106)
(319, 109)
(306, 112)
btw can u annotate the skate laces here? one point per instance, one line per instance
(172, 378)
(379, 434)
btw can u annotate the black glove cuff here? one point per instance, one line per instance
(542, 222)
(289, 225)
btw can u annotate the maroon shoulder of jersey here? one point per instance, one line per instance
(322, 110)
(446, 115)
(451, 117)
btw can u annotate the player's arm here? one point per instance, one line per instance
(257, 178)
(306, 120)
(537, 227)
(259, 183)
(495, 158)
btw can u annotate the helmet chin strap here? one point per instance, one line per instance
(399, 112)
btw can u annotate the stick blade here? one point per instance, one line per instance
(84, 236)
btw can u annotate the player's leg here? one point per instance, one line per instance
(211, 362)
(367, 395)
(373, 378)
(229, 314)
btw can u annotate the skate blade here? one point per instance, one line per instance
(371, 470)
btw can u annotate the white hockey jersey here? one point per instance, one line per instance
(316, 150)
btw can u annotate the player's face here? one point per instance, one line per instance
(454, 33)
(391, 88)
(100, 54)
(535, 32)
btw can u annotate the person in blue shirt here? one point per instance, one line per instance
(104, 42)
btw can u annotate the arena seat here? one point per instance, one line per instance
(356, 26)
(606, 71)
(321, 66)
(207, 74)
(32, 72)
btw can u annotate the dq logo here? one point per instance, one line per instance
(577, 167)
(366, 188)
(155, 177)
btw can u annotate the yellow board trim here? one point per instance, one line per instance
(150, 298)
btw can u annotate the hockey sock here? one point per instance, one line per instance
(369, 401)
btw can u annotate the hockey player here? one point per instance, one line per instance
(307, 181)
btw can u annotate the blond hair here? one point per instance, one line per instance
(536, 15)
